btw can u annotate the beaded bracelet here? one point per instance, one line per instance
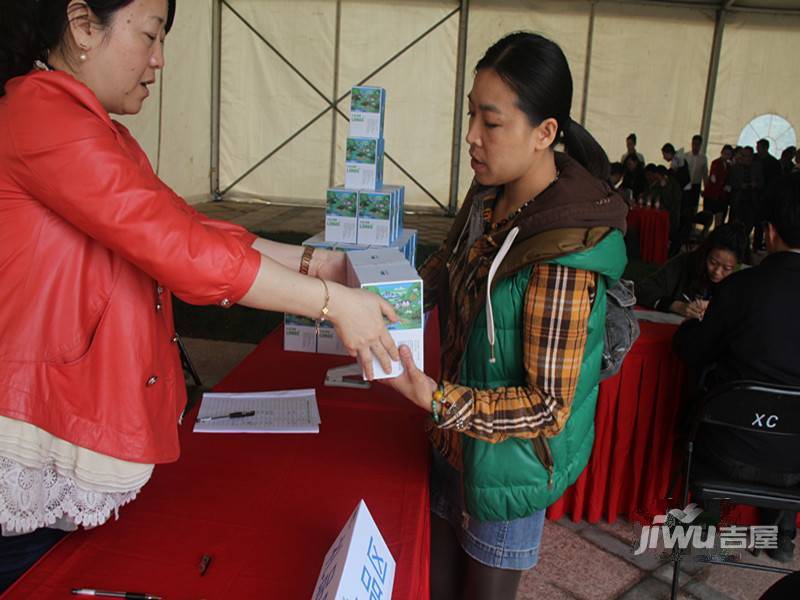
(435, 414)
(437, 404)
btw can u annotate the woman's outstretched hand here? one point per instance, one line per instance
(413, 383)
(358, 317)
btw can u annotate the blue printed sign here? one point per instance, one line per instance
(358, 566)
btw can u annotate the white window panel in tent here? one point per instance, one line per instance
(775, 129)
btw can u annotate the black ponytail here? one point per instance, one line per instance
(581, 145)
(537, 70)
(29, 29)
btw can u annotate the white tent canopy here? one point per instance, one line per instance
(259, 123)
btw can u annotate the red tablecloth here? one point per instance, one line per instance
(629, 471)
(267, 507)
(653, 227)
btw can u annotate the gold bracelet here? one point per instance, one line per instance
(305, 260)
(324, 312)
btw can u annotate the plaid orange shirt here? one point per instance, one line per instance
(558, 302)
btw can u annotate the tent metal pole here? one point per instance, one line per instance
(458, 111)
(709, 6)
(711, 82)
(588, 66)
(216, 71)
(337, 36)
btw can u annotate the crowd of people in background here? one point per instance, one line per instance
(735, 326)
(735, 187)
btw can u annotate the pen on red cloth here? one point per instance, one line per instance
(204, 563)
(233, 415)
(109, 594)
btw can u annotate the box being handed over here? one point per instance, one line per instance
(400, 285)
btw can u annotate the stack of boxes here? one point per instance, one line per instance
(364, 211)
(365, 219)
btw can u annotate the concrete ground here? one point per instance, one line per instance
(578, 560)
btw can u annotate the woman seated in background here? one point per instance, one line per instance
(686, 283)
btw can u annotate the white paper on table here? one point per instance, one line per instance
(656, 316)
(288, 411)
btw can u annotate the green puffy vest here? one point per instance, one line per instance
(507, 481)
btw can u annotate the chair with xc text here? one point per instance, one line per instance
(761, 410)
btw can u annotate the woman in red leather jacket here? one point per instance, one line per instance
(92, 243)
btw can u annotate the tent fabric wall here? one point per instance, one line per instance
(264, 101)
(649, 67)
(758, 74)
(648, 76)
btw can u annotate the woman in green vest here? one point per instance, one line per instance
(520, 287)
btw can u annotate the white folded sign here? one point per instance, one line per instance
(358, 566)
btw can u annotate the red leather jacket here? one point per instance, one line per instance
(91, 244)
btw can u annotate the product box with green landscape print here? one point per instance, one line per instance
(367, 111)
(377, 215)
(363, 166)
(400, 285)
(299, 333)
(341, 215)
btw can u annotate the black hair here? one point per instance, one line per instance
(697, 137)
(632, 137)
(668, 148)
(731, 237)
(727, 147)
(763, 142)
(651, 168)
(662, 170)
(29, 29)
(617, 168)
(536, 69)
(784, 209)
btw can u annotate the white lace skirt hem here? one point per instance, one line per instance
(31, 498)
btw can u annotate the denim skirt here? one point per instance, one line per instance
(501, 544)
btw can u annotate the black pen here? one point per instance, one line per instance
(108, 594)
(233, 415)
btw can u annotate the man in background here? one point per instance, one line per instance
(770, 173)
(630, 144)
(698, 176)
(750, 332)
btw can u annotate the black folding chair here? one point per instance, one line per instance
(762, 410)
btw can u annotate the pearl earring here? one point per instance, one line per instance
(82, 56)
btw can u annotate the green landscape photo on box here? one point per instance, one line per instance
(374, 206)
(406, 298)
(366, 100)
(342, 204)
(299, 321)
(361, 151)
